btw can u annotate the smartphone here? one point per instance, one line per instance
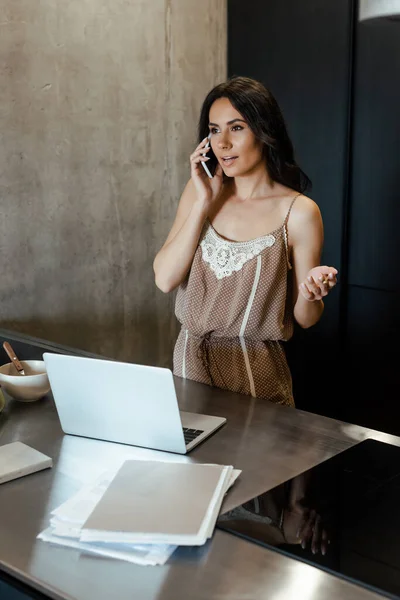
(205, 167)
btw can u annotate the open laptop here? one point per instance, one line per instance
(124, 403)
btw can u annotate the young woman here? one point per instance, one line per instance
(244, 249)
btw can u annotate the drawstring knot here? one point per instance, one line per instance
(203, 353)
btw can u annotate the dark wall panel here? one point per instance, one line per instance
(375, 207)
(300, 50)
(346, 366)
(371, 394)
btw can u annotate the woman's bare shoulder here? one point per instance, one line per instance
(305, 210)
(305, 222)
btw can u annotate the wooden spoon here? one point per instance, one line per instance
(14, 359)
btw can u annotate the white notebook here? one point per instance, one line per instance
(159, 503)
(18, 459)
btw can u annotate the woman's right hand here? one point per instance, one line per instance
(207, 189)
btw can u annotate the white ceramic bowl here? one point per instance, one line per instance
(26, 388)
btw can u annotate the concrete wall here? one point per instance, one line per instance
(99, 101)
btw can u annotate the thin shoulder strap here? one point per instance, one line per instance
(285, 231)
(290, 208)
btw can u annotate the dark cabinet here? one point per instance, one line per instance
(337, 83)
(372, 359)
(374, 217)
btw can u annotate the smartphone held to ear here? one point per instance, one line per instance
(207, 170)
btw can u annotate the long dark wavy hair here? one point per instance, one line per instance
(261, 111)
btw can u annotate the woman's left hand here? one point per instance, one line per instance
(319, 282)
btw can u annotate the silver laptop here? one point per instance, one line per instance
(124, 403)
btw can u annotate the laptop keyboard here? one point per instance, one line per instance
(191, 434)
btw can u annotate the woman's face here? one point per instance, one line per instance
(237, 149)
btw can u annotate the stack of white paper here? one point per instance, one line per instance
(144, 511)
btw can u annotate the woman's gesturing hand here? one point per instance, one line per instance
(318, 283)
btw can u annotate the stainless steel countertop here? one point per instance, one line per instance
(269, 443)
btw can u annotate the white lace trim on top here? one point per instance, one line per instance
(226, 257)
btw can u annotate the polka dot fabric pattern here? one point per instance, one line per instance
(234, 325)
